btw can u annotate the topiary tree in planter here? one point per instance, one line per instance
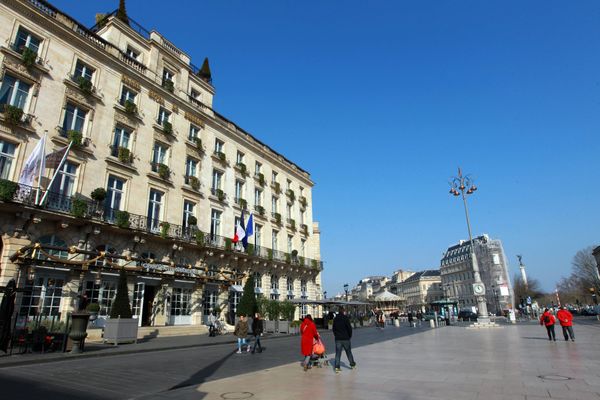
(121, 308)
(28, 57)
(167, 127)
(8, 189)
(164, 229)
(192, 221)
(200, 238)
(248, 305)
(228, 244)
(164, 171)
(98, 194)
(124, 155)
(85, 85)
(130, 107)
(121, 327)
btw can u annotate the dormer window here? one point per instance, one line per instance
(132, 53)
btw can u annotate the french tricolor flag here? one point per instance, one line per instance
(240, 231)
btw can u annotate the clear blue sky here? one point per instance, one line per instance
(382, 101)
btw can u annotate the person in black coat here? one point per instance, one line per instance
(342, 332)
(257, 331)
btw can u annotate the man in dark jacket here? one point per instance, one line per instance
(342, 331)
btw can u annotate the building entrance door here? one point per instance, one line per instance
(148, 309)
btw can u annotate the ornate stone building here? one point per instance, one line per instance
(457, 274)
(176, 176)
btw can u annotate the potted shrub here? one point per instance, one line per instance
(261, 210)
(164, 171)
(75, 136)
(277, 218)
(78, 207)
(243, 203)
(250, 249)
(194, 182)
(221, 156)
(261, 179)
(124, 155)
(270, 254)
(288, 258)
(192, 221)
(242, 168)
(13, 115)
(168, 84)
(228, 244)
(85, 85)
(28, 57)
(277, 187)
(121, 327)
(198, 143)
(98, 194)
(164, 229)
(220, 195)
(287, 311)
(291, 195)
(314, 264)
(130, 107)
(200, 238)
(122, 219)
(293, 224)
(167, 127)
(7, 189)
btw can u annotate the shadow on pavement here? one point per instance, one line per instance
(200, 376)
(14, 388)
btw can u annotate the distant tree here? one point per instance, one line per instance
(585, 269)
(532, 290)
(248, 305)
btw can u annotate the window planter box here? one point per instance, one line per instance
(130, 107)
(169, 85)
(12, 115)
(276, 187)
(124, 155)
(241, 167)
(261, 179)
(260, 210)
(194, 182)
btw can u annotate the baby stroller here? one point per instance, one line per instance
(319, 356)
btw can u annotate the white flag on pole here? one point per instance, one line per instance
(35, 164)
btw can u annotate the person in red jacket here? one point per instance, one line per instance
(566, 322)
(548, 320)
(309, 333)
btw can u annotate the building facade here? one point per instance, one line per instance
(171, 177)
(457, 274)
(421, 289)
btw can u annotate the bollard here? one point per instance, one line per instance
(432, 323)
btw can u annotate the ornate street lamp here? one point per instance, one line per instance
(464, 186)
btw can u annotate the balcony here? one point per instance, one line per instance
(89, 210)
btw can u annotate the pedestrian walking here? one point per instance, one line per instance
(342, 332)
(548, 320)
(419, 317)
(565, 318)
(410, 319)
(212, 324)
(309, 333)
(241, 331)
(257, 331)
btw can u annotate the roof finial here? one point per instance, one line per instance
(122, 12)
(204, 72)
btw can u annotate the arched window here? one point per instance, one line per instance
(53, 240)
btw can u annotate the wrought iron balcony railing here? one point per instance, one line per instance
(96, 211)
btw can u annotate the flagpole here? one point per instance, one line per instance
(62, 161)
(42, 162)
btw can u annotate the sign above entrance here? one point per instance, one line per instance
(167, 268)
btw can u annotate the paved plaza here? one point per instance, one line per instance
(511, 362)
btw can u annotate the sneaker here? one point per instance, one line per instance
(337, 370)
(353, 366)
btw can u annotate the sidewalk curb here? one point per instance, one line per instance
(98, 354)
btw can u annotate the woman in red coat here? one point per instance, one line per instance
(309, 333)
(548, 320)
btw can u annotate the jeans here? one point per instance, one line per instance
(241, 342)
(551, 334)
(257, 343)
(568, 331)
(343, 344)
